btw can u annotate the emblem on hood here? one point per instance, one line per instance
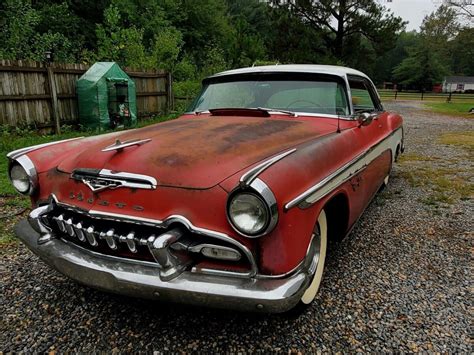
(98, 180)
(118, 145)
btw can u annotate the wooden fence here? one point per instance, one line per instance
(44, 95)
(428, 96)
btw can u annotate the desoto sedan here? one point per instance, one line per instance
(231, 205)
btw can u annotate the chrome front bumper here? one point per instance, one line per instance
(137, 279)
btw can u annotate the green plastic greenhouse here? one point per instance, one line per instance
(106, 97)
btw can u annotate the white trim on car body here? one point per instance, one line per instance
(346, 172)
(19, 152)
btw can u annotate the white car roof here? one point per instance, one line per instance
(295, 68)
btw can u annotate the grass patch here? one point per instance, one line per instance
(444, 185)
(12, 209)
(410, 157)
(461, 139)
(453, 108)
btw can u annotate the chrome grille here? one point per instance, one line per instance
(140, 242)
(123, 240)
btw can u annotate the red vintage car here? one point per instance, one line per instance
(231, 205)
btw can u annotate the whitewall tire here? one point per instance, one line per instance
(320, 232)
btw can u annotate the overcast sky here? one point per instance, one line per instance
(412, 11)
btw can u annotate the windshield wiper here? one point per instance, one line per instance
(245, 111)
(286, 112)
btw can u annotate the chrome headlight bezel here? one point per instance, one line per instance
(30, 170)
(262, 192)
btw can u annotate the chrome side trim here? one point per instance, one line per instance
(17, 153)
(345, 172)
(247, 178)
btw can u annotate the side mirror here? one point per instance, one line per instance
(366, 118)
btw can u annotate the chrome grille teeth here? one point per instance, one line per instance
(79, 232)
(131, 242)
(151, 239)
(91, 237)
(109, 238)
(61, 225)
(69, 227)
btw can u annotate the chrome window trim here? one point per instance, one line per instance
(25, 162)
(247, 178)
(344, 173)
(17, 153)
(265, 193)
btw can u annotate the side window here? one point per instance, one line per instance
(362, 98)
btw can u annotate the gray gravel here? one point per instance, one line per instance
(400, 282)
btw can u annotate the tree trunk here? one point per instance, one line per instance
(339, 42)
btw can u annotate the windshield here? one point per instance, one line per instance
(309, 95)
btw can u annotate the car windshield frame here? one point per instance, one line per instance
(279, 76)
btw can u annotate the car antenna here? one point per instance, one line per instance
(338, 123)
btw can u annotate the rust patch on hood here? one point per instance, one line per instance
(200, 152)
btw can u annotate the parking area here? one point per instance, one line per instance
(400, 282)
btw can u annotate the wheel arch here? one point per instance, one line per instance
(337, 214)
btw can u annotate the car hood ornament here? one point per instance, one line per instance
(98, 184)
(107, 179)
(119, 146)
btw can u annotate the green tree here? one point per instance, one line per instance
(147, 15)
(438, 29)
(386, 63)
(116, 43)
(203, 25)
(421, 69)
(433, 55)
(18, 20)
(167, 49)
(463, 48)
(339, 21)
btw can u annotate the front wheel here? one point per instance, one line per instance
(320, 239)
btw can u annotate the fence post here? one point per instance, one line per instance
(422, 94)
(396, 94)
(449, 97)
(54, 98)
(169, 89)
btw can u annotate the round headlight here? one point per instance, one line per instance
(248, 214)
(20, 179)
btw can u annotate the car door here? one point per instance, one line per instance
(370, 178)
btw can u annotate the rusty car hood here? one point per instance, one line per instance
(198, 152)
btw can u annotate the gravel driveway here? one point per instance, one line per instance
(400, 282)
